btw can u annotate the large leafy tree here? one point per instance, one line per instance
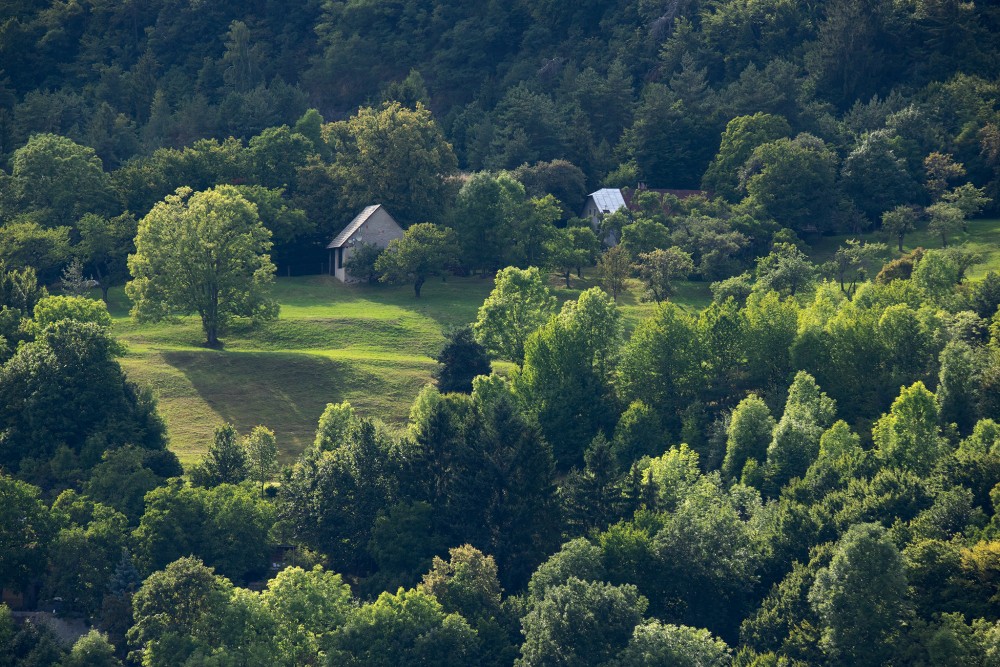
(66, 388)
(395, 156)
(580, 623)
(567, 373)
(861, 597)
(519, 303)
(59, 180)
(743, 134)
(204, 253)
(792, 180)
(424, 250)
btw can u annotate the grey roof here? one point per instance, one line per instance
(353, 226)
(608, 199)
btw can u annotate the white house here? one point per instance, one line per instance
(373, 226)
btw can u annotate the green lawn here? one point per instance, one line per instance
(983, 236)
(370, 345)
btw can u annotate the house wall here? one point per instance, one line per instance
(377, 230)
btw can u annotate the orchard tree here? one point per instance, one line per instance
(519, 303)
(615, 266)
(660, 268)
(898, 222)
(206, 253)
(424, 250)
(946, 220)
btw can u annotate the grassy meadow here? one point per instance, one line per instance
(370, 345)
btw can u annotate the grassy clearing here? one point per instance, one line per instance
(982, 236)
(370, 345)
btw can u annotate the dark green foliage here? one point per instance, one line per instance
(461, 359)
(580, 623)
(49, 390)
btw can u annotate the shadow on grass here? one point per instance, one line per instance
(285, 392)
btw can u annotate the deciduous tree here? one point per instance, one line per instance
(205, 253)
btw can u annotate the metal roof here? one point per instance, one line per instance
(608, 200)
(353, 226)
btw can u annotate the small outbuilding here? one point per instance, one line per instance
(373, 226)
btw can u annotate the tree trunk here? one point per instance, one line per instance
(417, 285)
(900, 244)
(567, 275)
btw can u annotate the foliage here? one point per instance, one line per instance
(204, 253)
(461, 359)
(519, 303)
(424, 250)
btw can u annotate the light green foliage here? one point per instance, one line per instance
(898, 222)
(307, 607)
(334, 424)
(92, 650)
(959, 384)
(969, 199)
(261, 454)
(838, 441)
(786, 269)
(655, 644)
(225, 462)
(572, 248)
(407, 629)
(519, 304)
(566, 375)
(770, 327)
(576, 558)
(52, 309)
(614, 268)
(909, 436)
(853, 261)
(204, 253)
(860, 598)
(424, 250)
(644, 235)
(795, 442)
(661, 364)
(748, 435)
(941, 169)
(185, 611)
(580, 623)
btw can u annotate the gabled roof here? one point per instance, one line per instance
(353, 226)
(608, 199)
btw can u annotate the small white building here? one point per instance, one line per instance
(373, 226)
(601, 203)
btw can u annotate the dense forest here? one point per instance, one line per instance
(806, 471)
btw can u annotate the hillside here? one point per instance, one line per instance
(369, 345)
